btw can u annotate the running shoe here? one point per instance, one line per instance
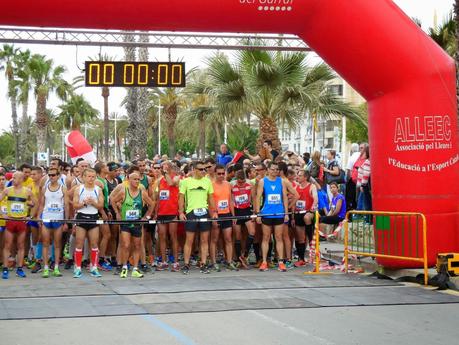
(186, 269)
(95, 273)
(123, 273)
(117, 270)
(175, 267)
(56, 272)
(77, 273)
(300, 263)
(136, 273)
(68, 264)
(144, 268)
(20, 273)
(105, 266)
(243, 261)
(193, 261)
(45, 273)
(289, 264)
(163, 266)
(204, 269)
(281, 267)
(232, 266)
(5, 274)
(264, 267)
(37, 268)
(271, 264)
(258, 264)
(214, 267)
(29, 263)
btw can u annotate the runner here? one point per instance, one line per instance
(242, 194)
(33, 228)
(305, 208)
(3, 213)
(88, 200)
(112, 182)
(132, 199)
(19, 200)
(54, 204)
(167, 194)
(225, 209)
(195, 198)
(275, 205)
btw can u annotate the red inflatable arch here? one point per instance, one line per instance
(408, 81)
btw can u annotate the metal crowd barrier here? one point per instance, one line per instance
(386, 235)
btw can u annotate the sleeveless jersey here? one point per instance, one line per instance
(241, 195)
(167, 198)
(305, 201)
(3, 210)
(54, 204)
(131, 208)
(273, 202)
(222, 195)
(17, 203)
(104, 190)
(144, 181)
(85, 193)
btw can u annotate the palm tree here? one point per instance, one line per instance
(76, 111)
(7, 61)
(276, 88)
(143, 101)
(46, 78)
(24, 84)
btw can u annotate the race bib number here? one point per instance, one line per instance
(223, 204)
(4, 210)
(241, 199)
(54, 208)
(17, 208)
(274, 199)
(199, 212)
(163, 195)
(301, 205)
(132, 214)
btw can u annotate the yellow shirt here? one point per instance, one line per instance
(17, 203)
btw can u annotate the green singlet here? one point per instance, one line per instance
(104, 190)
(131, 208)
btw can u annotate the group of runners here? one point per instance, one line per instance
(161, 213)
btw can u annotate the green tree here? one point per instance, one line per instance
(77, 111)
(8, 55)
(6, 148)
(241, 136)
(46, 78)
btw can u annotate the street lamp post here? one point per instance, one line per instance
(159, 106)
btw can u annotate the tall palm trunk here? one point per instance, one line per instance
(42, 122)
(142, 105)
(202, 137)
(14, 117)
(23, 154)
(268, 131)
(170, 115)
(105, 95)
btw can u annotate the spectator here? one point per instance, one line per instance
(363, 184)
(224, 157)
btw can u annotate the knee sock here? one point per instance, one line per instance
(256, 249)
(301, 248)
(78, 257)
(248, 244)
(94, 257)
(39, 252)
(309, 232)
(237, 246)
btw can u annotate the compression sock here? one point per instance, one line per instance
(94, 257)
(301, 248)
(78, 257)
(237, 247)
(256, 249)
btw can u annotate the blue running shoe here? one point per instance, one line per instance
(77, 273)
(20, 273)
(95, 273)
(5, 274)
(106, 266)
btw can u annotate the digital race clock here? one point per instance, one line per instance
(134, 74)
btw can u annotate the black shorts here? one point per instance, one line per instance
(239, 212)
(84, 216)
(166, 217)
(330, 220)
(225, 224)
(272, 221)
(112, 212)
(197, 226)
(299, 218)
(134, 230)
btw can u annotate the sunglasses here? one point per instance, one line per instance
(156, 168)
(221, 174)
(202, 169)
(52, 175)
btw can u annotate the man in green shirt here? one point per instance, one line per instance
(195, 201)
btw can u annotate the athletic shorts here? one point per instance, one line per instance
(299, 218)
(239, 212)
(52, 225)
(134, 230)
(151, 228)
(32, 224)
(225, 224)
(87, 226)
(16, 226)
(163, 218)
(197, 226)
(330, 220)
(272, 221)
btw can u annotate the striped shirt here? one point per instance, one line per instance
(363, 174)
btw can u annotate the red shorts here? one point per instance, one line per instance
(16, 226)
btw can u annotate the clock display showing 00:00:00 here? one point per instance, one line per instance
(135, 74)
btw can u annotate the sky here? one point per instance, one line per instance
(73, 59)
